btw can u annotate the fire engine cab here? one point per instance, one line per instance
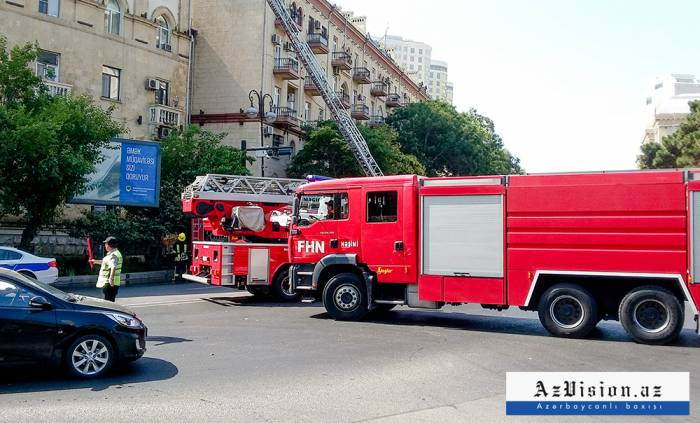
(576, 248)
(248, 219)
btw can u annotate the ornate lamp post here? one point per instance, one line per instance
(265, 117)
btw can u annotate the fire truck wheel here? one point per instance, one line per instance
(282, 289)
(345, 297)
(568, 310)
(651, 315)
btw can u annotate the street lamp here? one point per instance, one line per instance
(265, 117)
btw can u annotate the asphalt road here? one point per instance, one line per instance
(218, 355)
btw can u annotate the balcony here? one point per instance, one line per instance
(377, 120)
(361, 76)
(360, 111)
(344, 99)
(379, 89)
(341, 60)
(162, 115)
(286, 117)
(297, 20)
(286, 68)
(57, 88)
(318, 43)
(311, 89)
(393, 100)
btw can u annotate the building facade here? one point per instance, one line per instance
(667, 105)
(413, 56)
(439, 87)
(131, 55)
(253, 53)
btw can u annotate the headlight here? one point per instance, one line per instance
(125, 320)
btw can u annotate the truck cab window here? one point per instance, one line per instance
(316, 207)
(382, 206)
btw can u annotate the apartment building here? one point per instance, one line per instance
(132, 55)
(414, 57)
(439, 88)
(242, 56)
(667, 104)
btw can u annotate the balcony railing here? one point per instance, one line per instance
(318, 43)
(344, 99)
(377, 120)
(393, 100)
(311, 123)
(57, 88)
(286, 68)
(164, 115)
(379, 89)
(361, 76)
(360, 111)
(311, 89)
(341, 60)
(297, 19)
(286, 117)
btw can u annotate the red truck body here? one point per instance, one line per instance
(504, 241)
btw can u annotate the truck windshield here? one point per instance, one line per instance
(314, 207)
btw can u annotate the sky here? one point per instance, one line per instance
(565, 81)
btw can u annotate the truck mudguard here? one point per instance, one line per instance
(330, 260)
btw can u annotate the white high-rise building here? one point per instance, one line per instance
(668, 104)
(439, 87)
(412, 56)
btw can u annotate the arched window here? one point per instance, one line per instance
(163, 34)
(113, 17)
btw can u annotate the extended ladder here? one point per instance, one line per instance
(242, 189)
(347, 127)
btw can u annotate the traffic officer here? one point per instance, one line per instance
(181, 256)
(109, 278)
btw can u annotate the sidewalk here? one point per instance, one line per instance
(138, 278)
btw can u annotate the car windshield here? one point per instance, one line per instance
(38, 285)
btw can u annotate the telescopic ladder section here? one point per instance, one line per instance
(242, 189)
(347, 127)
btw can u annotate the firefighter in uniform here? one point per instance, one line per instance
(181, 256)
(109, 278)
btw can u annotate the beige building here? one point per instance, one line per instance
(439, 87)
(240, 47)
(667, 105)
(360, 22)
(132, 55)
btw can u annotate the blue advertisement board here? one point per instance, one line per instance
(129, 175)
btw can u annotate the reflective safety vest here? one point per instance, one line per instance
(111, 260)
(180, 252)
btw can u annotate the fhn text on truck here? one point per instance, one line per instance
(577, 248)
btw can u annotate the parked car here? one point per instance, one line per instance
(40, 323)
(39, 268)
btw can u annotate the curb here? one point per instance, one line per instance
(139, 278)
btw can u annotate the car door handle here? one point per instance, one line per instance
(398, 245)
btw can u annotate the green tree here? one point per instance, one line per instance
(450, 143)
(184, 156)
(678, 150)
(48, 145)
(327, 153)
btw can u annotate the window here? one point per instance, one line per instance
(47, 65)
(9, 255)
(382, 206)
(163, 93)
(291, 98)
(110, 83)
(163, 34)
(316, 207)
(48, 7)
(320, 115)
(113, 16)
(413, 50)
(420, 51)
(12, 295)
(420, 59)
(278, 96)
(307, 110)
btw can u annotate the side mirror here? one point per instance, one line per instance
(40, 302)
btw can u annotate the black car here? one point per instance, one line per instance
(40, 323)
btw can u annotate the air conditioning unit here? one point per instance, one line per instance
(267, 131)
(287, 46)
(163, 131)
(317, 25)
(152, 84)
(276, 39)
(167, 47)
(336, 71)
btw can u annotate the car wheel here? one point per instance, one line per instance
(90, 356)
(568, 310)
(345, 297)
(651, 315)
(282, 288)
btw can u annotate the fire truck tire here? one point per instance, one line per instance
(282, 290)
(651, 315)
(345, 297)
(568, 310)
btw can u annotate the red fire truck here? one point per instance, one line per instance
(576, 248)
(249, 216)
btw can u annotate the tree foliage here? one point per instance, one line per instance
(326, 153)
(678, 150)
(48, 145)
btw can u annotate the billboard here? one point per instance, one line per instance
(129, 175)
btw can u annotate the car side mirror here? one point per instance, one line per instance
(40, 302)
